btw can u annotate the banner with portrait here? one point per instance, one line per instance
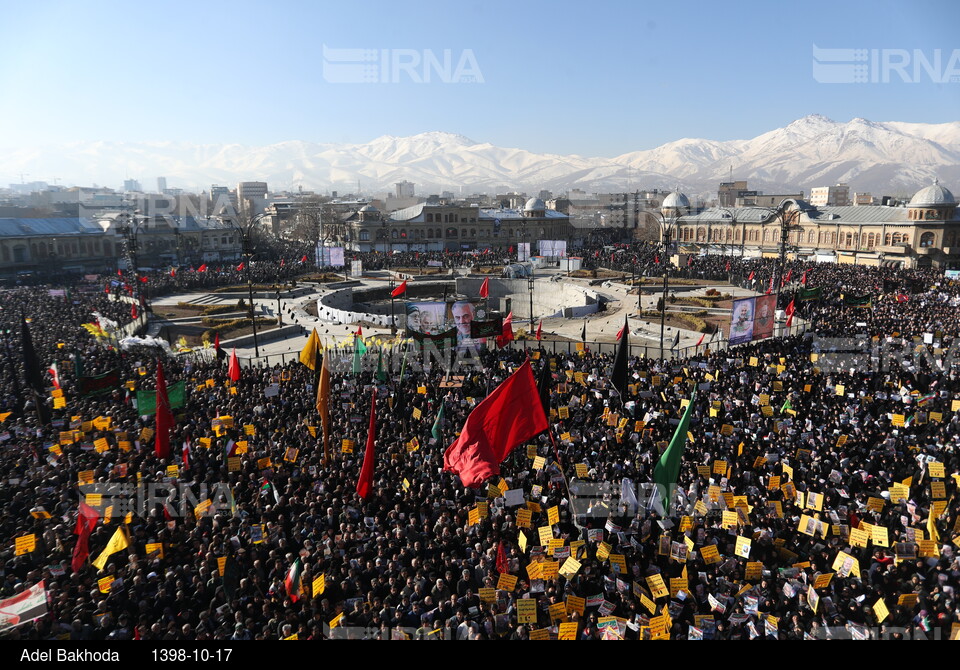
(763, 316)
(741, 321)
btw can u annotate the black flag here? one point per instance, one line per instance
(31, 364)
(544, 385)
(619, 376)
(676, 341)
(583, 333)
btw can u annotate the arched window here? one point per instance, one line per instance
(394, 234)
(736, 235)
(364, 235)
(926, 240)
(811, 237)
(766, 235)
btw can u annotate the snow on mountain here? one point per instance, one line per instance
(881, 157)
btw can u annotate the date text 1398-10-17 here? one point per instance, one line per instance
(202, 655)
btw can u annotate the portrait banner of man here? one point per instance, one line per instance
(741, 321)
(763, 320)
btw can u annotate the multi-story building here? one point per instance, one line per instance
(404, 189)
(834, 196)
(436, 227)
(161, 184)
(925, 233)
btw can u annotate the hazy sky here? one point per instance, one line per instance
(593, 78)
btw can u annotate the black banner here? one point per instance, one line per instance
(450, 335)
(491, 328)
(98, 384)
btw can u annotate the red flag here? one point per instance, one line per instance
(241, 266)
(185, 455)
(700, 341)
(789, 312)
(485, 288)
(656, 259)
(143, 280)
(164, 416)
(133, 311)
(359, 332)
(400, 290)
(750, 278)
(539, 329)
(728, 266)
(508, 417)
(202, 268)
(620, 332)
(220, 353)
(365, 483)
(173, 272)
(233, 369)
(803, 279)
(789, 274)
(304, 259)
(87, 518)
(506, 334)
(119, 273)
(503, 563)
(282, 262)
(770, 288)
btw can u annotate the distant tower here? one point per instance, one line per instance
(161, 184)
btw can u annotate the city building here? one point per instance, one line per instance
(925, 233)
(835, 196)
(404, 189)
(131, 186)
(161, 184)
(437, 227)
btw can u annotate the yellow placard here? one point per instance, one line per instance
(24, 544)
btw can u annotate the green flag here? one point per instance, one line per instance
(786, 405)
(381, 373)
(147, 400)
(667, 471)
(359, 349)
(437, 430)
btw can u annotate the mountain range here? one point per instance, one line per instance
(884, 158)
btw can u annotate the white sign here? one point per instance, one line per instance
(523, 251)
(553, 248)
(329, 256)
(356, 268)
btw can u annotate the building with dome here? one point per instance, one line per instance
(925, 233)
(451, 227)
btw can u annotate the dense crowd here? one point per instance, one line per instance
(803, 511)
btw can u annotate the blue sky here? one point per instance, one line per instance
(593, 78)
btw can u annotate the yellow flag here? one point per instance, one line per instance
(323, 407)
(932, 526)
(309, 354)
(117, 543)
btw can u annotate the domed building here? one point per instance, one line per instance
(675, 204)
(925, 233)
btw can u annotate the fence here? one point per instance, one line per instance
(549, 347)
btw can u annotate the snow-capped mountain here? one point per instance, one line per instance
(883, 158)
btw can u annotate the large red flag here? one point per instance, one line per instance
(87, 518)
(233, 369)
(539, 329)
(503, 563)
(241, 266)
(789, 311)
(164, 416)
(400, 290)
(750, 278)
(485, 288)
(365, 483)
(202, 268)
(508, 417)
(506, 334)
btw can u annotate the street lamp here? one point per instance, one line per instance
(246, 242)
(788, 224)
(130, 229)
(667, 227)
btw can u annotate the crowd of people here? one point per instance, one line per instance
(814, 499)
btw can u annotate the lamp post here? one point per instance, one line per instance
(666, 232)
(733, 222)
(786, 227)
(247, 250)
(130, 229)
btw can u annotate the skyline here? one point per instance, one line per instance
(621, 74)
